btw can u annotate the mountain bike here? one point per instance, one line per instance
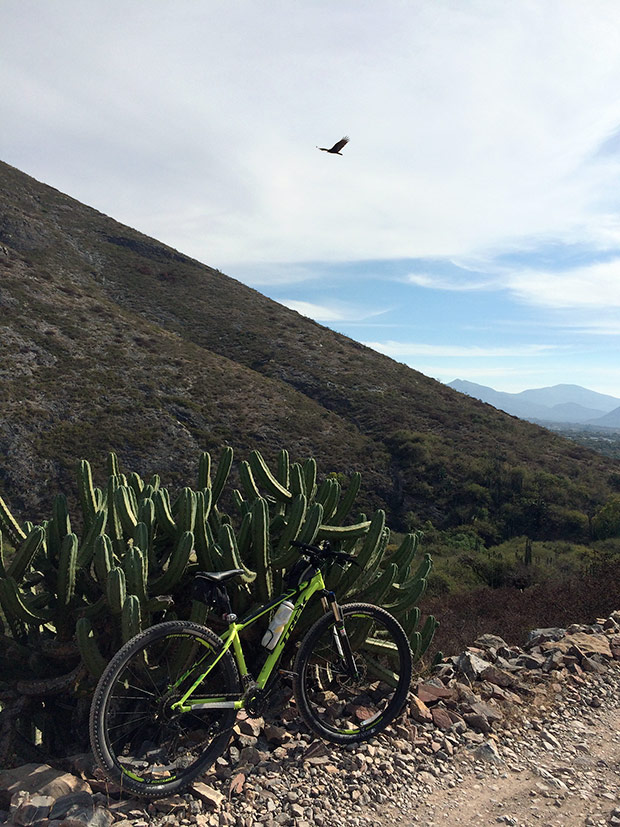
(165, 706)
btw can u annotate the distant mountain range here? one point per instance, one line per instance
(569, 404)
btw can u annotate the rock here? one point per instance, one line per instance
(317, 749)
(498, 676)
(550, 741)
(492, 642)
(530, 660)
(171, 804)
(208, 795)
(587, 644)
(465, 694)
(430, 693)
(30, 809)
(537, 636)
(39, 778)
(488, 751)
(250, 726)
(250, 755)
(276, 734)
(87, 816)
(63, 805)
(491, 712)
(592, 665)
(477, 721)
(419, 711)
(554, 661)
(441, 718)
(471, 665)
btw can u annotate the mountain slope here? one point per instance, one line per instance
(565, 394)
(610, 420)
(560, 403)
(111, 339)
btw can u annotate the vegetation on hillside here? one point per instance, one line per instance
(605, 441)
(113, 341)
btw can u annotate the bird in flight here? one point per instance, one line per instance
(336, 147)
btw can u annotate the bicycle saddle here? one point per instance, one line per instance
(219, 576)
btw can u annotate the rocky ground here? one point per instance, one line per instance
(497, 735)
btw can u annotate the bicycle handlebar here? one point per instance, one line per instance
(324, 552)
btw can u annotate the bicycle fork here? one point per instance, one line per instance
(341, 639)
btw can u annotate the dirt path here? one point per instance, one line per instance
(559, 768)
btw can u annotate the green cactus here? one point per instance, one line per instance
(260, 542)
(284, 469)
(67, 570)
(265, 478)
(247, 481)
(14, 604)
(116, 589)
(176, 565)
(346, 503)
(90, 653)
(131, 621)
(88, 498)
(204, 471)
(124, 509)
(138, 550)
(25, 553)
(185, 511)
(221, 476)
(284, 553)
(135, 568)
(96, 530)
(10, 525)
(103, 559)
(163, 513)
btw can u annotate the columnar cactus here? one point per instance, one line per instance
(69, 600)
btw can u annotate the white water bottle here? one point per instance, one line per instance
(278, 622)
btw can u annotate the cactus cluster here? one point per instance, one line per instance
(70, 598)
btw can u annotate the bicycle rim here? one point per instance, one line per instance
(345, 707)
(139, 739)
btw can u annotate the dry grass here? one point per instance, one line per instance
(511, 613)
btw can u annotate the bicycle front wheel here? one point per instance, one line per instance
(138, 738)
(349, 687)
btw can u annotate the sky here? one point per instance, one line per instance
(471, 227)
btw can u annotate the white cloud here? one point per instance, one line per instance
(336, 312)
(451, 284)
(399, 350)
(594, 286)
(473, 126)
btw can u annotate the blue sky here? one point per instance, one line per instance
(471, 228)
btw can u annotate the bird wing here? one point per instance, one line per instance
(338, 146)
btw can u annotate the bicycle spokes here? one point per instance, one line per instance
(348, 682)
(153, 740)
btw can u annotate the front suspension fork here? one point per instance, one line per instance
(341, 639)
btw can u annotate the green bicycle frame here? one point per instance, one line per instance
(231, 640)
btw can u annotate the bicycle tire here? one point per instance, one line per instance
(138, 741)
(336, 706)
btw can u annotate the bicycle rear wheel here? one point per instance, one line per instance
(343, 707)
(139, 741)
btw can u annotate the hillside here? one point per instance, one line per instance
(112, 340)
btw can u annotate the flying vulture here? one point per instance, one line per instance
(336, 147)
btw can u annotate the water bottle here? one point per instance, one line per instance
(278, 622)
